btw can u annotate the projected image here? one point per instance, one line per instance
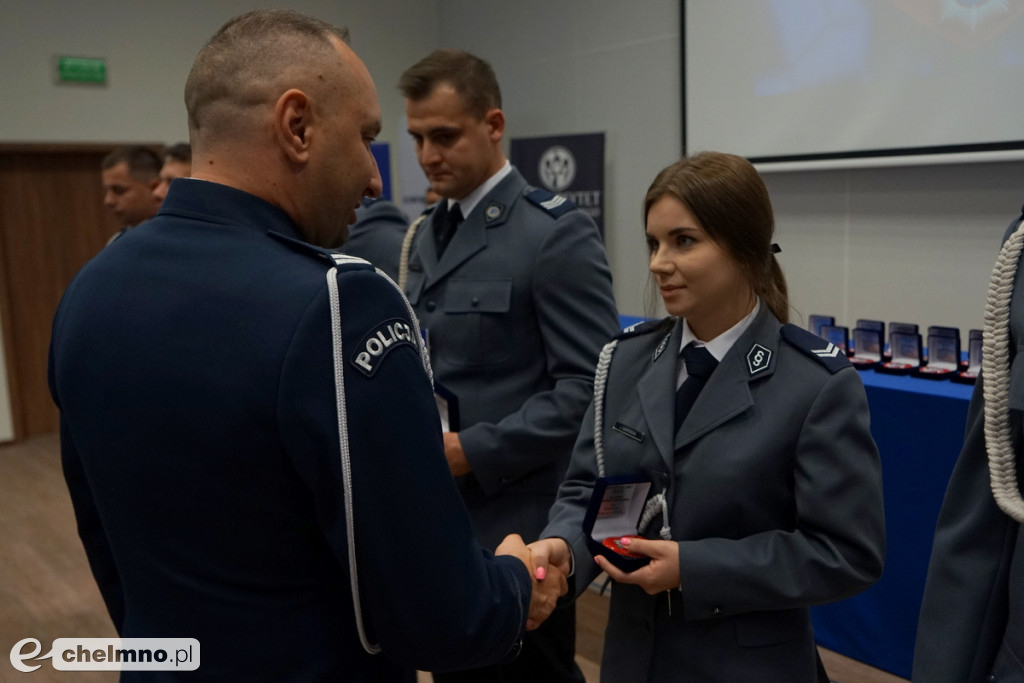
(820, 42)
(780, 79)
(825, 41)
(973, 13)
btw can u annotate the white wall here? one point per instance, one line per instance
(910, 244)
(149, 48)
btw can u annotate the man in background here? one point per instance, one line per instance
(514, 293)
(130, 175)
(177, 164)
(377, 234)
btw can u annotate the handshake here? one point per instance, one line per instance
(548, 561)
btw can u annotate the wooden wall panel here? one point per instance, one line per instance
(52, 220)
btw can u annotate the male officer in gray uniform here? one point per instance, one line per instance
(513, 290)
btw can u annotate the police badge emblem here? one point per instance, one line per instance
(758, 359)
(493, 211)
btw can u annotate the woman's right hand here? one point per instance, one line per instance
(549, 552)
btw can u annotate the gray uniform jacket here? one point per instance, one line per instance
(516, 313)
(971, 626)
(377, 234)
(774, 495)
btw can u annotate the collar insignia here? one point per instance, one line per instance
(758, 359)
(661, 347)
(493, 211)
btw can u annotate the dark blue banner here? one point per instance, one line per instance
(568, 165)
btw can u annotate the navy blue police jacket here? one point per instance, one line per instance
(193, 365)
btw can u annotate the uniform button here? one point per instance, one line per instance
(475, 302)
(716, 611)
(431, 306)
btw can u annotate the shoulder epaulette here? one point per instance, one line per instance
(646, 327)
(828, 354)
(555, 205)
(323, 254)
(346, 262)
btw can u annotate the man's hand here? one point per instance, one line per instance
(548, 585)
(660, 575)
(457, 462)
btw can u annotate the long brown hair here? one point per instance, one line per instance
(728, 198)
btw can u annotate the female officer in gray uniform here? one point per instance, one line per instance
(766, 496)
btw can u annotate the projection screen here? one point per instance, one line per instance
(854, 82)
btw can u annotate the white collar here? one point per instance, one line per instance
(721, 344)
(469, 202)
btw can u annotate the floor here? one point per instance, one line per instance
(47, 592)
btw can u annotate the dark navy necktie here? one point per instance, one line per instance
(699, 366)
(446, 229)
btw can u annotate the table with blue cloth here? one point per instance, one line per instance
(918, 425)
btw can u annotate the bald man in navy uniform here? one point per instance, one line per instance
(230, 389)
(513, 289)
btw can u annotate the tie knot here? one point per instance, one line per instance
(454, 215)
(446, 229)
(699, 361)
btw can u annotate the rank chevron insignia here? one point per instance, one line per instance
(831, 356)
(553, 203)
(830, 351)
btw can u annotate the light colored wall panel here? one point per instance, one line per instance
(912, 244)
(811, 227)
(642, 137)
(149, 48)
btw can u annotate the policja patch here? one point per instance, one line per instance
(381, 341)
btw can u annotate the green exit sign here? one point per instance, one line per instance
(81, 70)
